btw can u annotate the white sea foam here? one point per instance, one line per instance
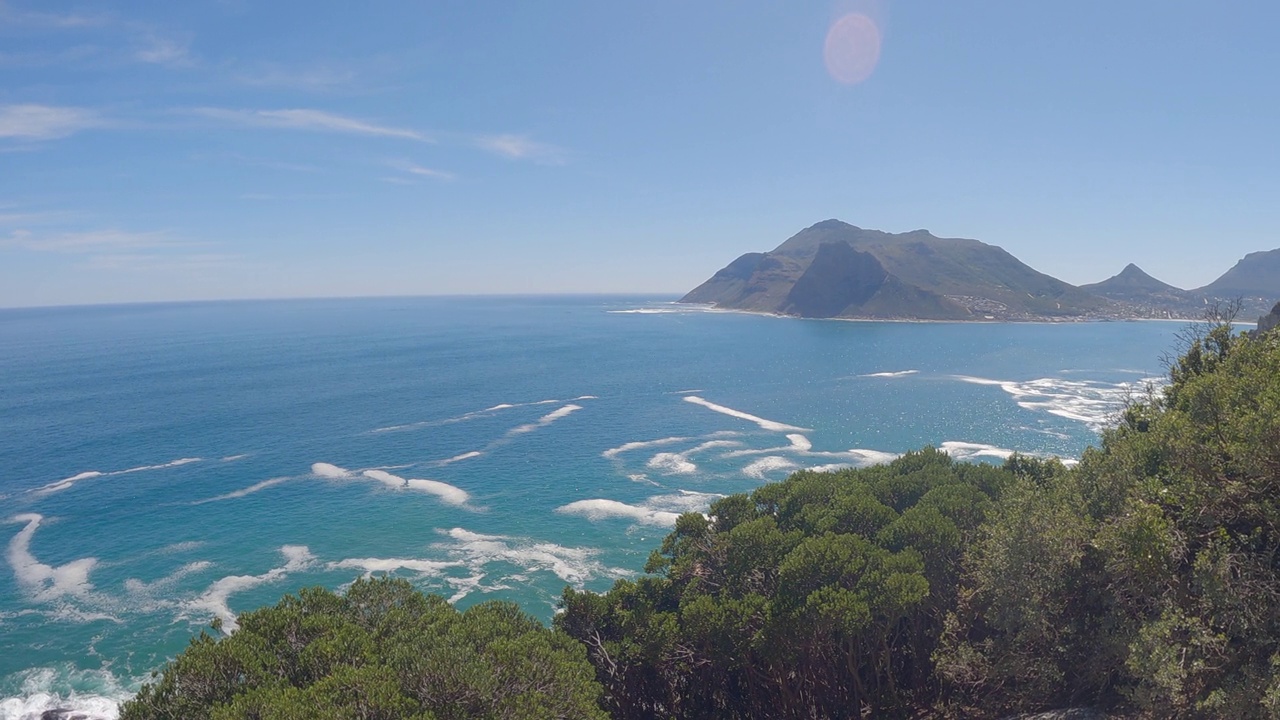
(601, 509)
(460, 458)
(545, 420)
(67, 482)
(898, 374)
(659, 510)
(390, 565)
(325, 470)
(244, 491)
(181, 547)
(40, 581)
(233, 458)
(1091, 402)
(765, 465)
(575, 566)
(162, 466)
(971, 451)
(830, 467)
(65, 693)
(213, 602)
(711, 445)
(641, 478)
(614, 452)
(150, 589)
(763, 423)
(672, 464)
(446, 492)
(800, 443)
(863, 458)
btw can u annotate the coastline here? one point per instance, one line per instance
(1041, 320)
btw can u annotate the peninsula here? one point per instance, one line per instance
(837, 270)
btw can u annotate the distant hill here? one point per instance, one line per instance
(1146, 296)
(834, 269)
(1257, 275)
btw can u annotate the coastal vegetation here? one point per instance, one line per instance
(1143, 581)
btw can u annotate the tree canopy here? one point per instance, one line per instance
(381, 651)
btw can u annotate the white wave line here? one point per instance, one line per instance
(763, 423)
(66, 483)
(244, 491)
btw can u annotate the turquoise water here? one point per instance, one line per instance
(164, 465)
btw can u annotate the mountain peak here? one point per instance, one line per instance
(1127, 280)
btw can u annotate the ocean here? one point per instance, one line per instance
(165, 465)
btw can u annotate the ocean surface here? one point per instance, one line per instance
(165, 465)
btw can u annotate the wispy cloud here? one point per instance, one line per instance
(157, 262)
(164, 51)
(520, 147)
(12, 16)
(415, 170)
(45, 122)
(313, 79)
(306, 119)
(88, 242)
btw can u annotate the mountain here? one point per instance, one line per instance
(834, 269)
(1257, 275)
(1145, 296)
(1132, 281)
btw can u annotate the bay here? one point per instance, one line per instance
(165, 465)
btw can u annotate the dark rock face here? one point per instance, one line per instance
(1257, 275)
(1270, 321)
(838, 277)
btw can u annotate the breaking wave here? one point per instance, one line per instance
(66, 483)
(40, 581)
(545, 420)
(898, 374)
(765, 465)
(64, 693)
(1094, 403)
(244, 491)
(659, 510)
(213, 602)
(763, 423)
(446, 492)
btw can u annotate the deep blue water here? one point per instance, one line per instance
(231, 442)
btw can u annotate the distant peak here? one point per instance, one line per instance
(1131, 268)
(833, 224)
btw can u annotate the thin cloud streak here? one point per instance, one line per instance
(45, 122)
(520, 147)
(307, 119)
(164, 51)
(90, 241)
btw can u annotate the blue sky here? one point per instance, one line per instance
(192, 150)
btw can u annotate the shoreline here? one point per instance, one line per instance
(702, 307)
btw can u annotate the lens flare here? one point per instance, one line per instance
(852, 49)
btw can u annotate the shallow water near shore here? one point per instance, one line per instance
(165, 465)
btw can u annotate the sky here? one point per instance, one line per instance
(208, 149)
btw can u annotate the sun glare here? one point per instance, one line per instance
(852, 49)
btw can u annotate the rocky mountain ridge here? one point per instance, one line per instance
(836, 270)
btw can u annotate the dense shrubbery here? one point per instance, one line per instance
(814, 597)
(1146, 580)
(382, 651)
(1149, 576)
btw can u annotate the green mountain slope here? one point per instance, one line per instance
(924, 277)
